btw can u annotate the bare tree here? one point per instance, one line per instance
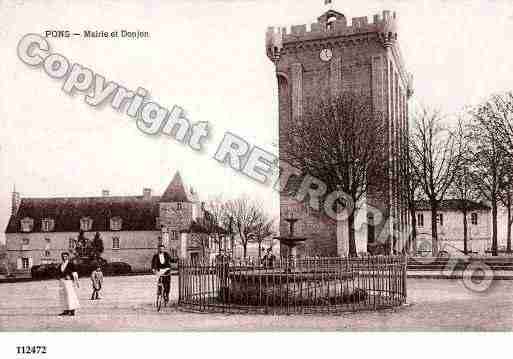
(490, 157)
(464, 189)
(263, 229)
(500, 113)
(507, 201)
(434, 159)
(217, 220)
(411, 190)
(342, 144)
(245, 216)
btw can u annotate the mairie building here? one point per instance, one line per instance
(131, 227)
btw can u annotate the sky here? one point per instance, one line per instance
(209, 58)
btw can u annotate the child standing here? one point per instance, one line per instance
(97, 280)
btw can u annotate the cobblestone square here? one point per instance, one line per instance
(127, 305)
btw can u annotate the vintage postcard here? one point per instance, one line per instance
(277, 166)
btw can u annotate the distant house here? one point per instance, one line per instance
(131, 227)
(450, 226)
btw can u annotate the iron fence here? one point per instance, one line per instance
(288, 286)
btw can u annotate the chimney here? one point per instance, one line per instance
(105, 193)
(15, 202)
(147, 194)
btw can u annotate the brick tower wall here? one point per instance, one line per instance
(366, 61)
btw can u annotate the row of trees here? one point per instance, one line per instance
(470, 161)
(343, 143)
(241, 217)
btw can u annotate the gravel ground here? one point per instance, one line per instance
(126, 305)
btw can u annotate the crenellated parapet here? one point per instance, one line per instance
(329, 25)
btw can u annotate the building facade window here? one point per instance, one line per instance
(47, 225)
(115, 242)
(420, 220)
(440, 219)
(25, 263)
(27, 224)
(48, 243)
(116, 223)
(71, 243)
(173, 253)
(25, 241)
(175, 235)
(86, 224)
(473, 218)
(370, 228)
(179, 205)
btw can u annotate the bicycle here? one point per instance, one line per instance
(161, 299)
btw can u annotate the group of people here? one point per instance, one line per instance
(160, 265)
(68, 280)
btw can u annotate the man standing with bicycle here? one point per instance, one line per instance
(161, 266)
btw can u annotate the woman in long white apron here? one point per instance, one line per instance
(68, 279)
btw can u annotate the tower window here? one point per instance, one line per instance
(440, 219)
(473, 218)
(420, 220)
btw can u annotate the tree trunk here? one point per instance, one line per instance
(352, 240)
(245, 249)
(434, 229)
(494, 228)
(260, 250)
(465, 232)
(508, 241)
(412, 245)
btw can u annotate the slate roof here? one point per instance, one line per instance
(137, 213)
(452, 204)
(175, 192)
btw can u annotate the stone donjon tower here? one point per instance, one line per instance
(330, 57)
(176, 212)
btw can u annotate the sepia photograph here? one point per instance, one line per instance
(267, 166)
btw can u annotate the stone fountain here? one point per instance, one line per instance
(291, 241)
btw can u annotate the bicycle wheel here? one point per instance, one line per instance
(160, 299)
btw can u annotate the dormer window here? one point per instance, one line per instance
(47, 225)
(116, 223)
(27, 224)
(86, 224)
(330, 24)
